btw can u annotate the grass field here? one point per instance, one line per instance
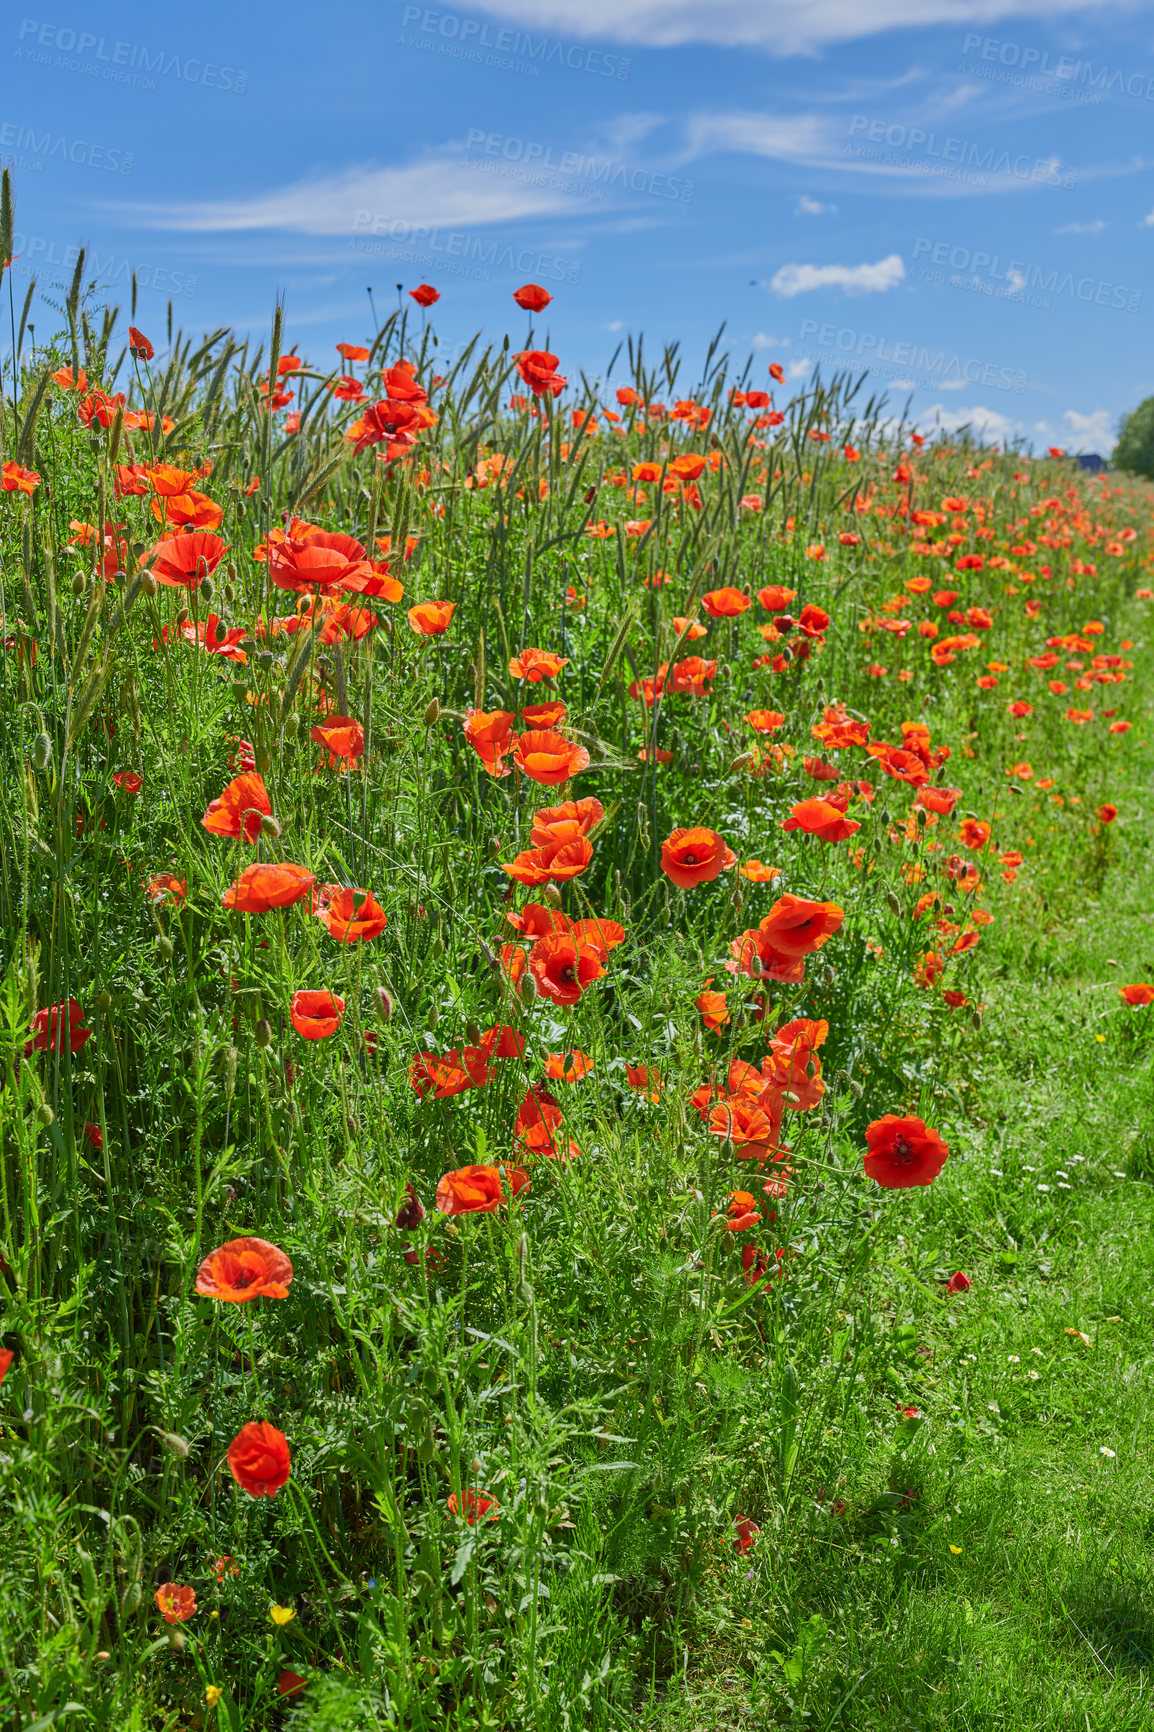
(574, 1153)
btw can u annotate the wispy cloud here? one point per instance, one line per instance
(1092, 432)
(988, 424)
(780, 25)
(793, 280)
(1094, 228)
(807, 206)
(436, 192)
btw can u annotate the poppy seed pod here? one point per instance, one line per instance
(895, 906)
(45, 1116)
(269, 825)
(433, 1018)
(292, 725)
(165, 949)
(104, 999)
(384, 1004)
(78, 584)
(496, 847)
(263, 1032)
(433, 714)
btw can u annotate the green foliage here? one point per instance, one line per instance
(1134, 451)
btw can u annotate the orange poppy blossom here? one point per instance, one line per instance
(490, 733)
(238, 811)
(547, 757)
(974, 834)
(752, 1123)
(726, 603)
(798, 927)
(687, 628)
(259, 1459)
(342, 737)
(538, 1117)
(903, 1152)
(585, 813)
(775, 596)
(939, 800)
(821, 818)
(176, 1604)
(6, 1358)
(695, 856)
(568, 1067)
(474, 1190)
(714, 1009)
(244, 1269)
(181, 561)
(758, 873)
(765, 721)
(450, 1074)
(471, 1506)
(565, 854)
(903, 766)
(431, 618)
(792, 1064)
(316, 1015)
(263, 887)
(316, 560)
(212, 636)
(562, 966)
(538, 368)
(535, 665)
(165, 886)
(1138, 995)
(742, 1214)
(546, 716)
(351, 921)
(645, 1081)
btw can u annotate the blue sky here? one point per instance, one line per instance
(957, 193)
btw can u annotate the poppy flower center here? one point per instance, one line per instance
(690, 859)
(569, 975)
(902, 1151)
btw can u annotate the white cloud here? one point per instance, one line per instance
(1148, 221)
(761, 340)
(952, 384)
(807, 206)
(1094, 228)
(989, 425)
(439, 192)
(797, 369)
(1092, 432)
(793, 280)
(780, 25)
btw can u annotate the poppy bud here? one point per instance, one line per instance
(737, 900)
(269, 825)
(264, 761)
(384, 1004)
(229, 592)
(165, 949)
(183, 617)
(742, 762)
(811, 1070)
(176, 1641)
(207, 589)
(41, 752)
(45, 1116)
(292, 725)
(976, 1019)
(472, 1033)
(855, 1088)
(920, 817)
(551, 896)
(495, 847)
(527, 988)
(433, 714)
(104, 999)
(433, 1018)
(895, 906)
(263, 1032)
(149, 587)
(220, 631)
(103, 1654)
(173, 1442)
(884, 816)
(426, 1450)
(78, 584)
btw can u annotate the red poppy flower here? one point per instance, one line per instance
(490, 733)
(342, 738)
(751, 1123)
(290, 1683)
(714, 1008)
(562, 967)
(959, 1283)
(449, 1075)
(49, 1026)
(316, 1015)
(259, 1459)
(176, 1604)
(548, 715)
(535, 665)
(351, 920)
(798, 927)
(586, 813)
(822, 819)
(974, 833)
(261, 887)
(6, 1358)
(181, 561)
(725, 603)
(243, 1269)
(139, 344)
(1107, 813)
(532, 297)
(352, 351)
(14, 479)
(317, 560)
(603, 935)
(765, 721)
(775, 597)
(166, 886)
(470, 1191)
(238, 811)
(431, 618)
(903, 1152)
(940, 800)
(472, 1506)
(1138, 995)
(564, 855)
(548, 758)
(568, 1067)
(538, 368)
(695, 856)
(425, 294)
(745, 1533)
(743, 1212)
(645, 1080)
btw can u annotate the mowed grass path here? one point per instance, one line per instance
(1000, 1571)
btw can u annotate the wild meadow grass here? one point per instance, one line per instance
(619, 1360)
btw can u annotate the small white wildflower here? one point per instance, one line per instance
(1033, 1376)
(1107, 1452)
(1013, 1359)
